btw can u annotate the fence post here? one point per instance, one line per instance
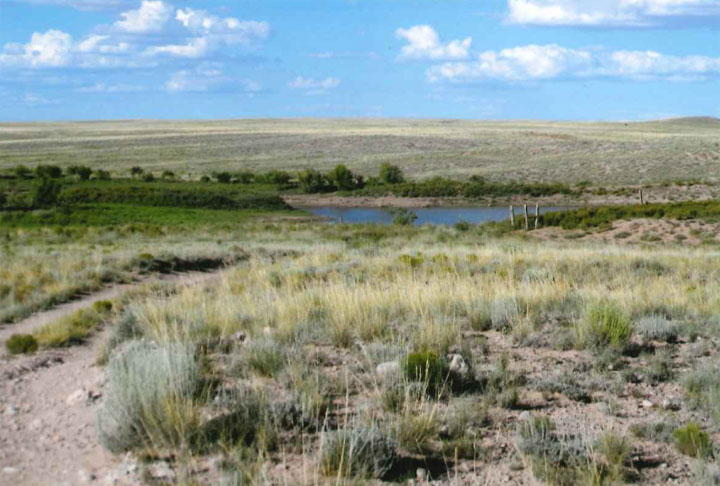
(641, 197)
(526, 217)
(537, 214)
(512, 216)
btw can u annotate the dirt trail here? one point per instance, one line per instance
(48, 403)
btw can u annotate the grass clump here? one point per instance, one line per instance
(263, 356)
(72, 329)
(427, 367)
(692, 441)
(21, 344)
(149, 397)
(362, 452)
(604, 325)
(657, 328)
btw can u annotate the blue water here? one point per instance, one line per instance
(448, 216)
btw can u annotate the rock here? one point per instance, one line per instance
(77, 396)
(524, 416)
(421, 474)
(10, 470)
(86, 476)
(458, 366)
(161, 470)
(647, 404)
(11, 410)
(388, 369)
(668, 404)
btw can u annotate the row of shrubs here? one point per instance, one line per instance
(602, 215)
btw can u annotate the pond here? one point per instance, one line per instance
(447, 216)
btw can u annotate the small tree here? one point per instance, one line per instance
(391, 174)
(45, 193)
(82, 172)
(102, 175)
(48, 171)
(344, 179)
(223, 177)
(245, 177)
(312, 181)
(22, 172)
(136, 171)
(168, 174)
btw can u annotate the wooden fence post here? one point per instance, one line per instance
(512, 216)
(537, 214)
(526, 217)
(641, 197)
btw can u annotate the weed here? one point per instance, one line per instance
(692, 441)
(361, 452)
(21, 344)
(604, 325)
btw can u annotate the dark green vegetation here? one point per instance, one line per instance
(597, 216)
(21, 344)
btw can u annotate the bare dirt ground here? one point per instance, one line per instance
(48, 403)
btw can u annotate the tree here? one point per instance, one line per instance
(102, 175)
(391, 174)
(168, 174)
(22, 172)
(136, 171)
(223, 177)
(45, 193)
(48, 171)
(82, 172)
(3, 199)
(312, 181)
(343, 178)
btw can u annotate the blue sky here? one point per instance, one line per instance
(485, 59)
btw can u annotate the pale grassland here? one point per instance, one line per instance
(316, 320)
(604, 153)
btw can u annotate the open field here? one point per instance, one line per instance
(527, 151)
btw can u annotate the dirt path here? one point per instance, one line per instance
(48, 404)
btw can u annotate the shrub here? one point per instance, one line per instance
(657, 328)
(22, 172)
(102, 175)
(427, 367)
(168, 174)
(264, 356)
(275, 177)
(21, 344)
(136, 171)
(48, 172)
(102, 306)
(391, 174)
(148, 397)
(82, 172)
(45, 193)
(71, 329)
(402, 216)
(504, 313)
(363, 452)
(415, 427)
(148, 177)
(604, 325)
(692, 441)
(344, 179)
(312, 182)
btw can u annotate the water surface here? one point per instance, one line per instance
(448, 216)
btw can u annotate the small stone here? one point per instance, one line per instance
(458, 366)
(10, 470)
(647, 404)
(388, 369)
(76, 397)
(668, 404)
(524, 416)
(421, 474)
(162, 470)
(11, 410)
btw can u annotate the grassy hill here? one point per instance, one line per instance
(604, 153)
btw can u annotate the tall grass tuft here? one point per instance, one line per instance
(149, 400)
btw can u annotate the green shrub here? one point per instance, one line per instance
(264, 356)
(692, 441)
(657, 328)
(102, 306)
(604, 325)
(223, 177)
(363, 452)
(344, 179)
(45, 193)
(148, 397)
(82, 172)
(426, 366)
(71, 329)
(504, 313)
(312, 182)
(21, 344)
(48, 172)
(391, 174)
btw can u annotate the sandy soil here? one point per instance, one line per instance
(48, 403)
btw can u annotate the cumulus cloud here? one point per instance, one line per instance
(538, 62)
(312, 86)
(209, 77)
(154, 29)
(150, 17)
(110, 88)
(606, 12)
(424, 43)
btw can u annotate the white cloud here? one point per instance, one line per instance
(51, 49)
(229, 29)
(35, 100)
(195, 48)
(96, 43)
(606, 12)
(424, 43)
(537, 62)
(312, 86)
(110, 88)
(209, 77)
(150, 17)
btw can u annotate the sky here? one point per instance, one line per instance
(474, 59)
